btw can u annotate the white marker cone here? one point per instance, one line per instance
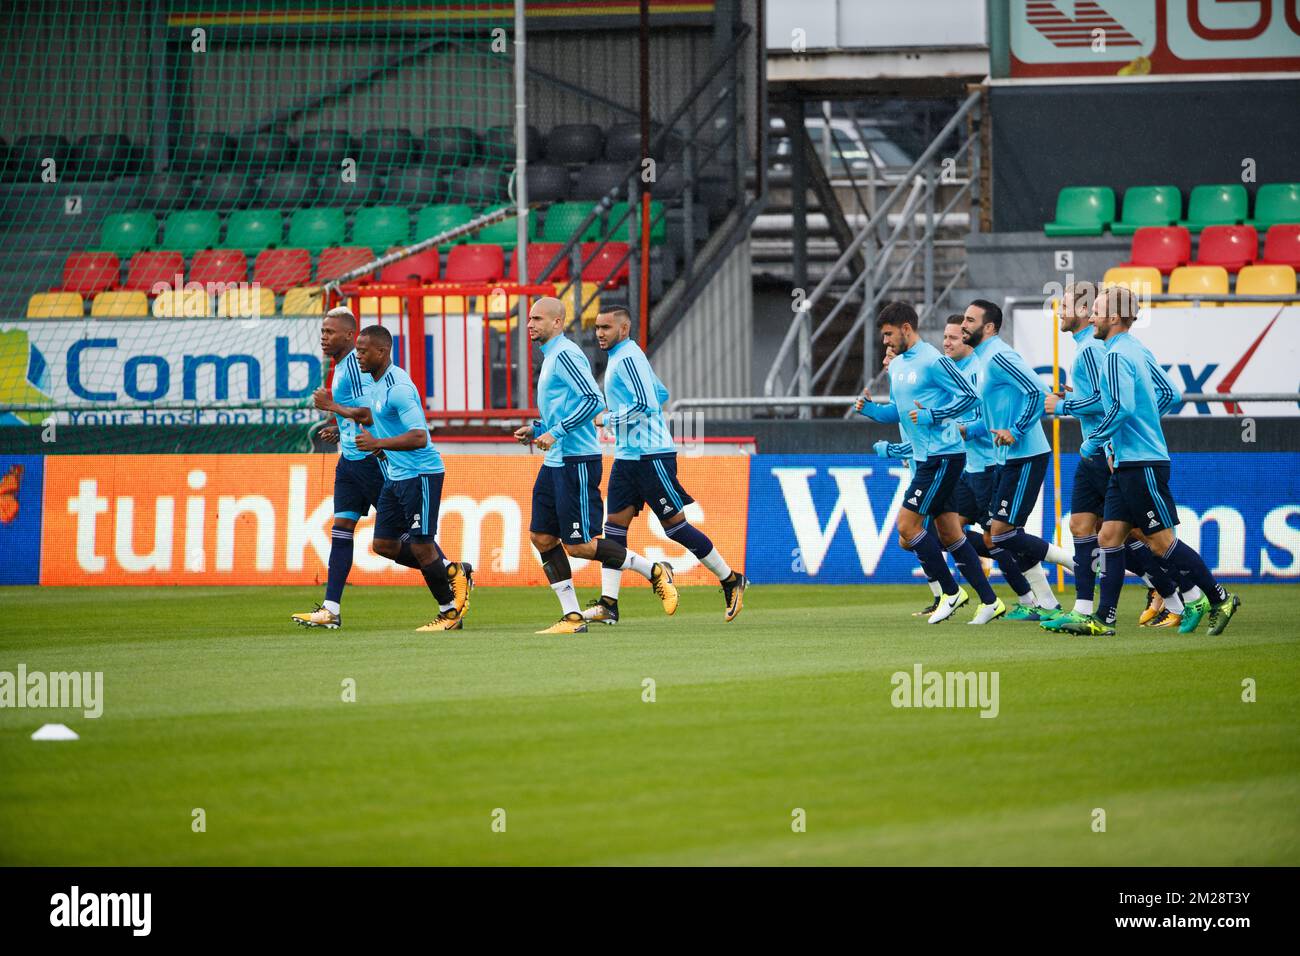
(55, 732)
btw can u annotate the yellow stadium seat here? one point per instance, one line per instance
(389, 305)
(1143, 280)
(1207, 280)
(1266, 280)
(303, 300)
(120, 305)
(183, 304)
(434, 305)
(246, 302)
(55, 305)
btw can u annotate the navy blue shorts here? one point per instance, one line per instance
(1019, 482)
(357, 486)
(1139, 495)
(409, 505)
(1091, 479)
(566, 500)
(651, 481)
(934, 485)
(973, 494)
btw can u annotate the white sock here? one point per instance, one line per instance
(1193, 593)
(567, 595)
(445, 607)
(717, 564)
(1026, 599)
(1058, 555)
(1082, 607)
(1174, 604)
(611, 579)
(934, 588)
(634, 562)
(447, 562)
(1147, 579)
(1043, 595)
(331, 606)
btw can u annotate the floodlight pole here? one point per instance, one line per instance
(522, 346)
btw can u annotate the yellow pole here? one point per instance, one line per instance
(1056, 440)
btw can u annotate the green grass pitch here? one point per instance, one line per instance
(214, 700)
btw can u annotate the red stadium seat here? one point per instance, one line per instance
(540, 255)
(1162, 247)
(604, 268)
(281, 269)
(219, 265)
(475, 264)
(87, 273)
(335, 262)
(1229, 246)
(149, 269)
(413, 270)
(1281, 246)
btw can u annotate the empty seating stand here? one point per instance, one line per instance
(1207, 280)
(1082, 211)
(1276, 203)
(1216, 205)
(1282, 245)
(1148, 206)
(1229, 246)
(1162, 247)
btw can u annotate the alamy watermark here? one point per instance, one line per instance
(82, 690)
(922, 688)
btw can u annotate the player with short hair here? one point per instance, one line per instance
(926, 390)
(567, 510)
(406, 521)
(1011, 405)
(1135, 393)
(645, 466)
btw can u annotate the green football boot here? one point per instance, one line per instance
(1058, 622)
(1222, 613)
(1089, 627)
(1192, 614)
(1022, 612)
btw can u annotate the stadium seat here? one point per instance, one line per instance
(304, 300)
(1276, 203)
(504, 233)
(1082, 211)
(246, 302)
(1163, 247)
(1143, 280)
(202, 153)
(149, 269)
(380, 227)
(499, 145)
(414, 186)
(374, 306)
(335, 262)
(126, 233)
(363, 191)
(475, 263)
(325, 149)
(575, 144)
(100, 157)
(596, 180)
(225, 190)
(264, 152)
(120, 305)
(1206, 280)
(184, 303)
(219, 265)
(316, 228)
(432, 220)
(478, 185)
(446, 305)
(548, 182)
(166, 191)
(451, 146)
(1217, 205)
(1148, 206)
(669, 184)
(252, 230)
(616, 223)
(282, 269)
(623, 142)
(289, 189)
(28, 154)
(55, 305)
(564, 218)
(540, 255)
(590, 309)
(421, 268)
(602, 263)
(87, 273)
(1282, 245)
(1266, 280)
(1229, 246)
(190, 230)
(384, 149)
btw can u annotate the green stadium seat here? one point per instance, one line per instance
(1082, 211)
(1276, 203)
(126, 233)
(188, 231)
(1217, 205)
(564, 218)
(381, 226)
(504, 233)
(317, 228)
(432, 220)
(252, 230)
(616, 224)
(1148, 206)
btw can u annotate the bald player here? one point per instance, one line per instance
(567, 512)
